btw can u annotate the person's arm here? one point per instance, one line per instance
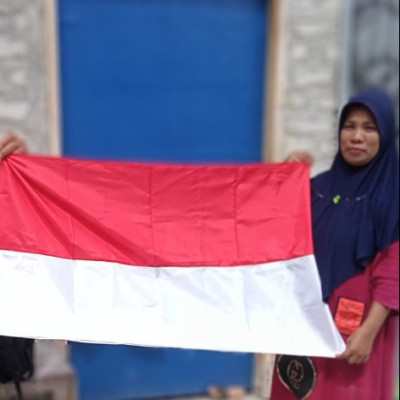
(385, 287)
(11, 143)
(360, 344)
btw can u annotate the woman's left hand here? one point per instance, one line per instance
(11, 143)
(359, 347)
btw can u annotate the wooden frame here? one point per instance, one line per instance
(272, 131)
(275, 79)
(53, 83)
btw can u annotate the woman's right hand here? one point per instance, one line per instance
(359, 348)
(11, 143)
(360, 343)
(300, 156)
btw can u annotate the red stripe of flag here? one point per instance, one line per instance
(154, 215)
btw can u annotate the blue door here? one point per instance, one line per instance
(161, 81)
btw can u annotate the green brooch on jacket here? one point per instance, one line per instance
(336, 199)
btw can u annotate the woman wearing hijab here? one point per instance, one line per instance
(355, 207)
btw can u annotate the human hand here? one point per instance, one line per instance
(359, 347)
(300, 156)
(11, 143)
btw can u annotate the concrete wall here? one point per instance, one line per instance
(23, 75)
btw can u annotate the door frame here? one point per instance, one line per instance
(53, 76)
(272, 125)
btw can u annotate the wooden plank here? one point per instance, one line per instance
(53, 83)
(275, 79)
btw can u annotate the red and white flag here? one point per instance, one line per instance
(197, 257)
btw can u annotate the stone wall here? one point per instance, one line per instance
(313, 49)
(23, 76)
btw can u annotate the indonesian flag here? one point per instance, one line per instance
(196, 257)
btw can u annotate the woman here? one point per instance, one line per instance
(356, 233)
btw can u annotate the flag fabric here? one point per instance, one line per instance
(194, 257)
